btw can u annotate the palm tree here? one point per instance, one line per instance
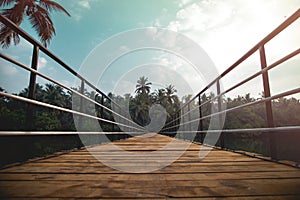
(55, 95)
(170, 94)
(38, 14)
(139, 110)
(39, 92)
(143, 86)
(160, 95)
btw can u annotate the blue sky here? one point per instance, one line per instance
(225, 29)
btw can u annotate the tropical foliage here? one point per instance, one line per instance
(38, 14)
(13, 113)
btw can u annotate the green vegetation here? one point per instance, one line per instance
(13, 113)
(13, 116)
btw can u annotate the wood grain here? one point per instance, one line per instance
(221, 174)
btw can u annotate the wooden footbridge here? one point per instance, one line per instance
(222, 173)
(78, 174)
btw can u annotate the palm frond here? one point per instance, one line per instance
(16, 38)
(15, 14)
(5, 41)
(6, 2)
(42, 23)
(52, 6)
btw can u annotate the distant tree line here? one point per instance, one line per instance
(13, 112)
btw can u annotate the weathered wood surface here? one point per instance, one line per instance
(221, 174)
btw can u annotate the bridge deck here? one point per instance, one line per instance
(220, 174)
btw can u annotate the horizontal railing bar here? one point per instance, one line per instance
(249, 130)
(31, 40)
(63, 109)
(64, 86)
(48, 133)
(270, 36)
(191, 110)
(275, 32)
(287, 93)
(26, 36)
(294, 53)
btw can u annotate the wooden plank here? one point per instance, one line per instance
(121, 163)
(79, 174)
(153, 188)
(181, 159)
(169, 169)
(150, 176)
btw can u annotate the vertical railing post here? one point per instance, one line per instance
(268, 104)
(116, 118)
(189, 119)
(178, 120)
(81, 109)
(101, 109)
(200, 136)
(111, 116)
(222, 137)
(171, 124)
(101, 112)
(182, 115)
(31, 90)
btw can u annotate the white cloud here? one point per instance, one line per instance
(156, 23)
(42, 63)
(80, 7)
(124, 48)
(228, 28)
(183, 70)
(76, 16)
(184, 2)
(84, 4)
(7, 69)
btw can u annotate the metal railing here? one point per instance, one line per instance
(129, 125)
(180, 114)
(179, 119)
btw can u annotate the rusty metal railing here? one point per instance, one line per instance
(130, 125)
(179, 119)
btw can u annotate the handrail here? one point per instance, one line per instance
(34, 42)
(263, 72)
(283, 94)
(64, 86)
(64, 109)
(179, 118)
(41, 133)
(38, 46)
(271, 35)
(248, 130)
(275, 32)
(285, 58)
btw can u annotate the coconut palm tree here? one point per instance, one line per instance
(38, 14)
(170, 94)
(55, 95)
(39, 92)
(139, 110)
(160, 95)
(143, 86)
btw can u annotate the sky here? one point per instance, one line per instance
(224, 29)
